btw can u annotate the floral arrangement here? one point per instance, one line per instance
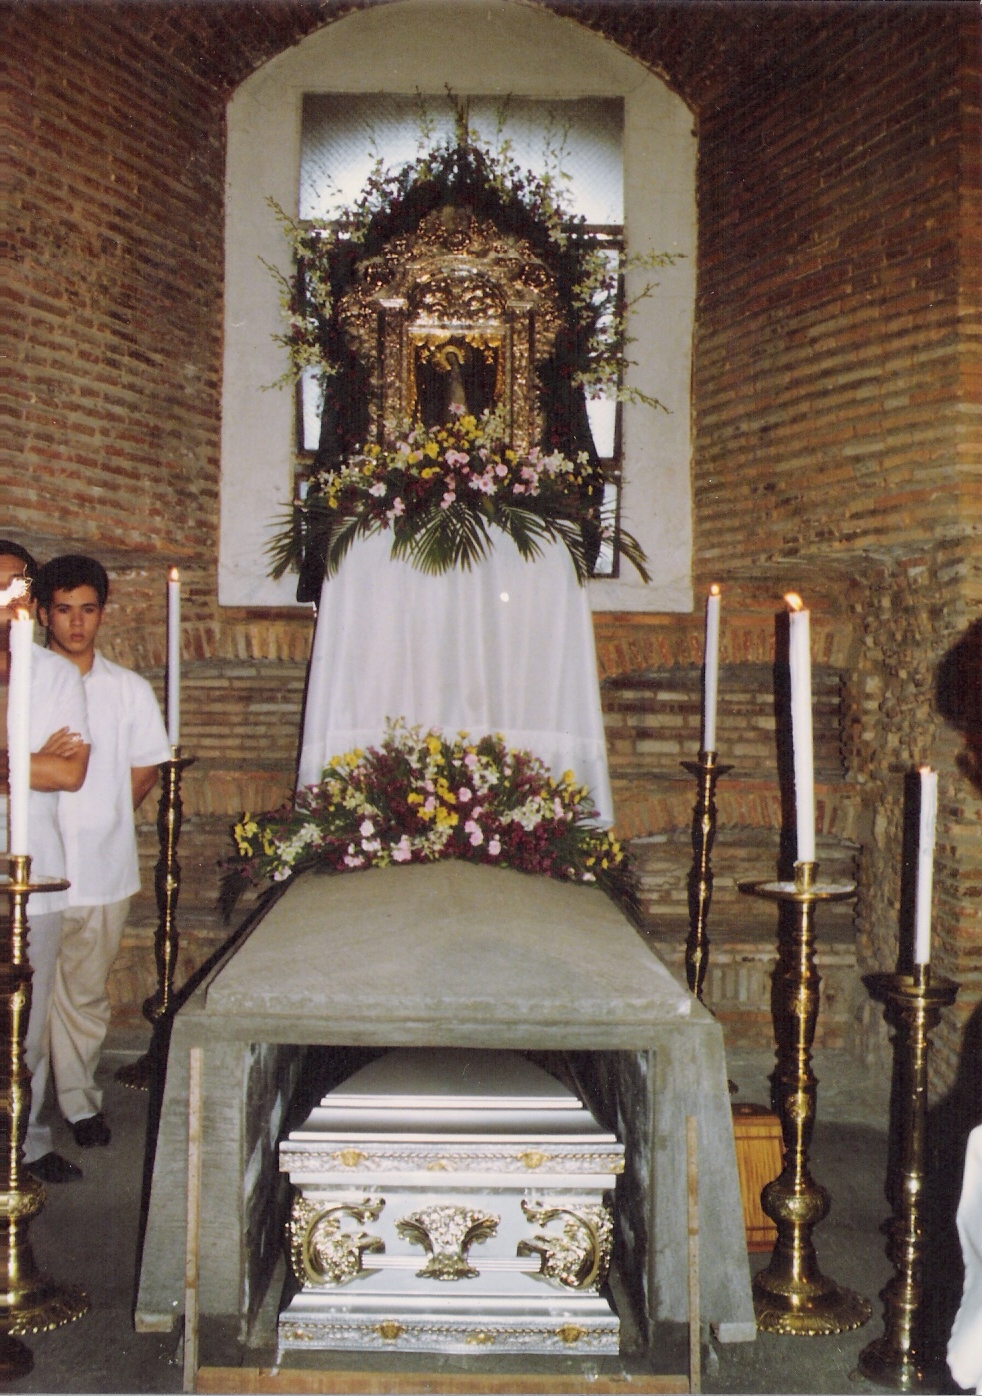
(439, 490)
(587, 360)
(422, 796)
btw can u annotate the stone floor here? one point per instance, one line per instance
(87, 1234)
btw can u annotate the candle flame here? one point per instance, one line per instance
(19, 586)
(173, 575)
(22, 613)
(714, 589)
(794, 601)
(924, 770)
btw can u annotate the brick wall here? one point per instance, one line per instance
(836, 390)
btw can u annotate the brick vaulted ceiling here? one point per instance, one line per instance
(698, 46)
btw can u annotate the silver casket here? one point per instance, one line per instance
(451, 1201)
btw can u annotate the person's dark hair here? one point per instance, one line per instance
(65, 574)
(11, 549)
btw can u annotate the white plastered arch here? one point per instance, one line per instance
(481, 46)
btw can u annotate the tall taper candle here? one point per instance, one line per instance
(19, 729)
(174, 657)
(710, 687)
(925, 865)
(801, 728)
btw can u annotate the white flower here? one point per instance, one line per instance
(366, 829)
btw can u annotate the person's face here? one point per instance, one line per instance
(72, 621)
(12, 568)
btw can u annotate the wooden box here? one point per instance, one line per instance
(759, 1155)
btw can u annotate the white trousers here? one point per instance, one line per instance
(80, 1010)
(43, 936)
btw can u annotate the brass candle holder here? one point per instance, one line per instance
(706, 771)
(167, 885)
(792, 1296)
(29, 1302)
(900, 1359)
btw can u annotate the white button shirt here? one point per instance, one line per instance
(57, 700)
(97, 821)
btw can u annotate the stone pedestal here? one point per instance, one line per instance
(451, 1201)
(460, 956)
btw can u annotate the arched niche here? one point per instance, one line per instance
(472, 46)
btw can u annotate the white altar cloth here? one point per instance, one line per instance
(965, 1343)
(505, 647)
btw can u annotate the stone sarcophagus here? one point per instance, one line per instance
(451, 1201)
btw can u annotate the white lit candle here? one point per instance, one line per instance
(925, 865)
(19, 729)
(174, 657)
(710, 686)
(801, 728)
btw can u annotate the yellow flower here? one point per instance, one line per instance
(433, 744)
(429, 471)
(414, 798)
(431, 450)
(445, 817)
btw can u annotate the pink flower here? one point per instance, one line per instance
(456, 457)
(494, 847)
(402, 852)
(501, 468)
(463, 795)
(447, 499)
(378, 488)
(366, 828)
(476, 835)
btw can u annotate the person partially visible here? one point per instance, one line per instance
(129, 741)
(59, 735)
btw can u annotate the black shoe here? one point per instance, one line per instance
(52, 1168)
(91, 1131)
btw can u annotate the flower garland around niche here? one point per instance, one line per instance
(588, 360)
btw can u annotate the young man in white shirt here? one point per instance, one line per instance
(59, 736)
(129, 741)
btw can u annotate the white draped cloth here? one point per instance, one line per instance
(505, 647)
(965, 1343)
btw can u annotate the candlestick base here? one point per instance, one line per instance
(792, 1296)
(29, 1302)
(882, 1363)
(901, 1358)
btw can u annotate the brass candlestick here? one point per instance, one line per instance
(707, 772)
(900, 1359)
(29, 1302)
(167, 885)
(792, 1296)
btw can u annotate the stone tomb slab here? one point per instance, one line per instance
(446, 955)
